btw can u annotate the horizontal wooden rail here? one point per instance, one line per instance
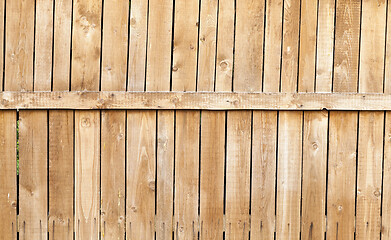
(195, 100)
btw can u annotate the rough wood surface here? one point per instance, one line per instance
(386, 191)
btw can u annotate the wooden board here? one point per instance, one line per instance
(237, 174)
(61, 185)
(212, 174)
(387, 69)
(2, 50)
(113, 174)
(263, 187)
(8, 182)
(140, 174)
(87, 174)
(314, 175)
(33, 147)
(342, 173)
(186, 174)
(386, 191)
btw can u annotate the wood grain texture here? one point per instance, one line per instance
(141, 165)
(2, 43)
(113, 174)
(264, 154)
(314, 175)
(238, 160)
(61, 158)
(386, 191)
(249, 45)
(87, 174)
(341, 173)
(19, 37)
(212, 174)
(186, 174)
(33, 130)
(8, 182)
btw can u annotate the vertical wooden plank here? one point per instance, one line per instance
(8, 198)
(289, 175)
(273, 38)
(225, 44)
(141, 165)
(207, 45)
(43, 45)
(165, 175)
(33, 174)
(307, 60)
(314, 175)
(115, 45)
(87, 174)
(386, 191)
(19, 45)
(186, 174)
(2, 50)
(249, 45)
(341, 175)
(347, 33)
(238, 174)
(212, 174)
(185, 45)
(62, 44)
(159, 45)
(387, 70)
(137, 44)
(264, 155)
(86, 42)
(61, 139)
(325, 46)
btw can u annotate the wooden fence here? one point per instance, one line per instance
(195, 119)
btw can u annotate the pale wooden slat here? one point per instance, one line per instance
(8, 182)
(43, 45)
(386, 191)
(314, 175)
(212, 174)
(165, 175)
(86, 42)
(308, 24)
(33, 194)
(113, 174)
(140, 174)
(62, 44)
(61, 139)
(19, 45)
(137, 44)
(2, 50)
(186, 174)
(115, 45)
(87, 174)
(264, 147)
(249, 46)
(159, 45)
(341, 175)
(289, 175)
(273, 38)
(238, 159)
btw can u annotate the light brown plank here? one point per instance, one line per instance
(141, 165)
(186, 174)
(61, 139)
(212, 174)
(2, 50)
(137, 44)
(314, 175)
(165, 175)
(87, 174)
(113, 174)
(386, 191)
(33, 194)
(238, 159)
(62, 44)
(8, 182)
(115, 45)
(341, 175)
(43, 45)
(263, 174)
(249, 45)
(19, 45)
(86, 42)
